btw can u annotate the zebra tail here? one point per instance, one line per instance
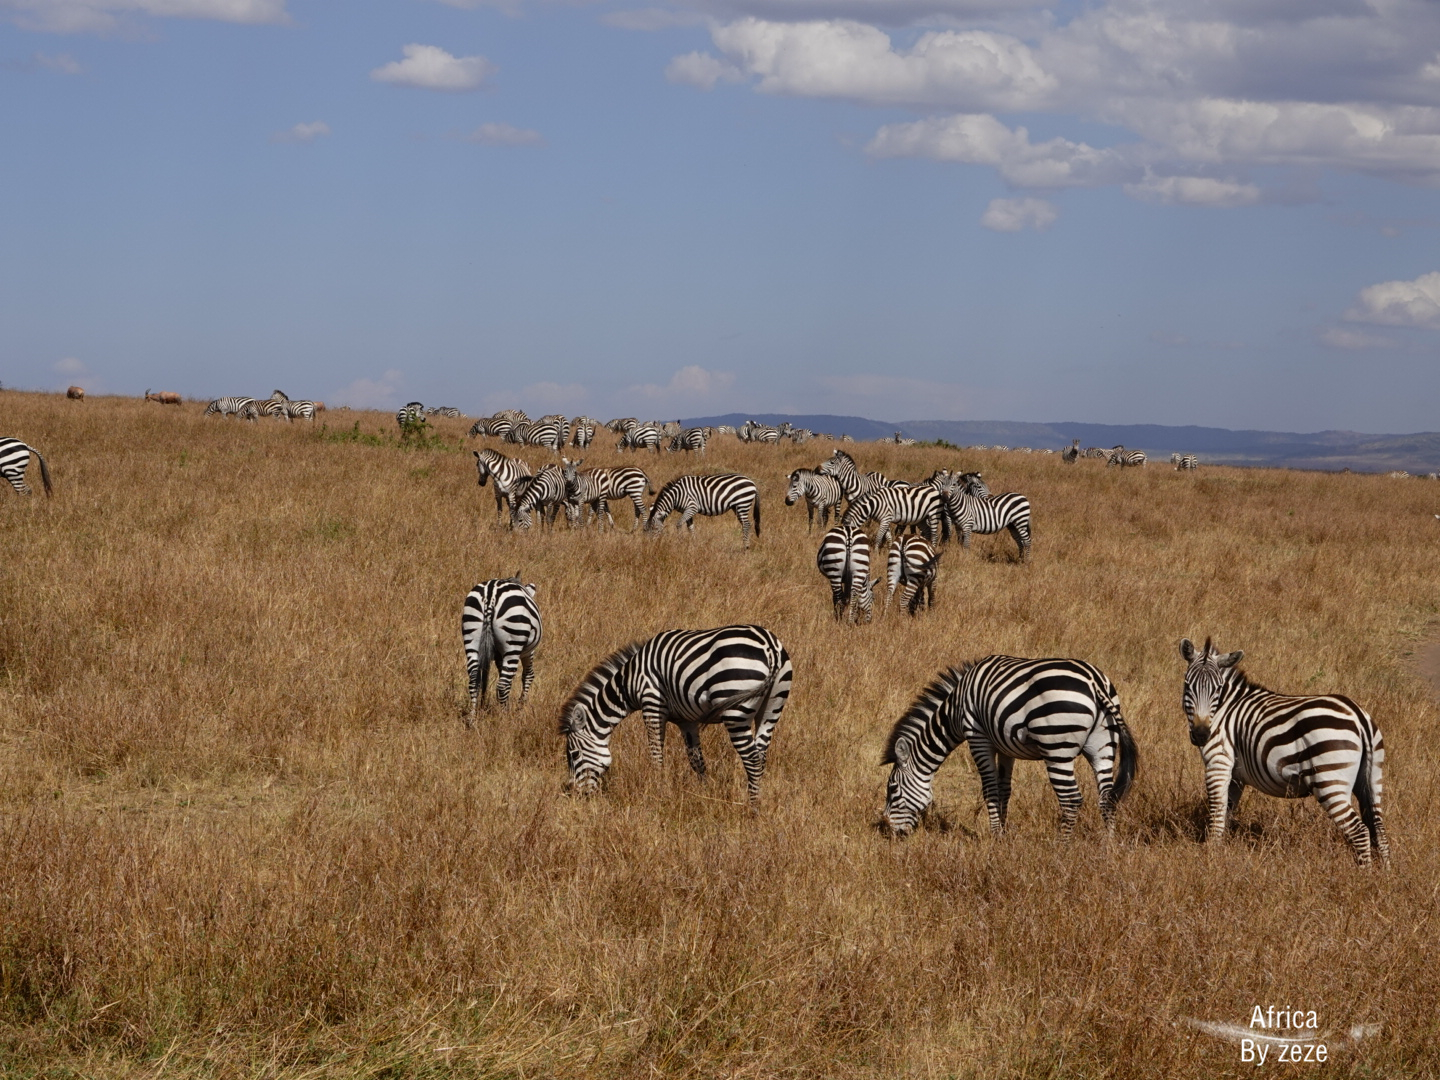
(49, 490)
(757, 517)
(485, 655)
(1364, 789)
(1127, 763)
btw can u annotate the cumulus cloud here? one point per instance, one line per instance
(104, 16)
(504, 135)
(302, 133)
(1194, 191)
(381, 393)
(702, 70)
(690, 384)
(1338, 337)
(1012, 215)
(1400, 303)
(429, 67)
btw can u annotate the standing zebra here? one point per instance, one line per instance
(1126, 458)
(1071, 453)
(505, 470)
(912, 563)
(15, 459)
(738, 676)
(1009, 708)
(499, 625)
(302, 410)
(1186, 462)
(413, 413)
(491, 425)
(970, 513)
(821, 493)
(448, 411)
(710, 496)
(895, 508)
(596, 487)
(253, 410)
(1289, 747)
(640, 437)
(548, 433)
(853, 483)
(689, 439)
(582, 432)
(227, 406)
(844, 559)
(543, 493)
(754, 432)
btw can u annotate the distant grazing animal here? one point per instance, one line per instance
(582, 432)
(164, 397)
(15, 459)
(670, 428)
(76, 393)
(901, 440)
(689, 439)
(1095, 452)
(279, 395)
(710, 496)
(543, 493)
(500, 625)
(1289, 747)
(319, 406)
(971, 513)
(595, 488)
(505, 470)
(640, 437)
(754, 432)
(1186, 462)
(1010, 709)
(896, 508)
(621, 424)
(227, 406)
(547, 433)
(299, 410)
(912, 564)
(253, 410)
(448, 411)
(844, 560)
(411, 413)
(1071, 453)
(738, 676)
(821, 494)
(1126, 458)
(491, 425)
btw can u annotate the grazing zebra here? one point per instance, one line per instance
(1071, 453)
(640, 437)
(444, 410)
(984, 513)
(413, 413)
(754, 432)
(544, 493)
(301, 410)
(738, 676)
(895, 508)
(901, 440)
(710, 496)
(724, 429)
(1095, 452)
(582, 432)
(505, 470)
(1009, 708)
(1289, 747)
(499, 625)
(269, 407)
(844, 559)
(1126, 458)
(597, 487)
(821, 493)
(1186, 462)
(546, 433)
(689, 439)
(912, 563)
(670, 428)
(15, 459)
(498, 426)
(227, 406)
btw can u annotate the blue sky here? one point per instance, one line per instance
(1206, 212)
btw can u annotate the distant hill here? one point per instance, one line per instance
(1333, 450)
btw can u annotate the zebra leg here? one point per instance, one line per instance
(992, 768)
(752, 755)
(743, 516)
(692, 748)
(1335, 798)
(809, 517)
(837, 599)
(1022, 541)
(479, 680)
(1232, 796)
(1218, 775)
(639, 505)
(655, 731)
(17, 481)
(508, 664)
(527, 678)
(1062, 779)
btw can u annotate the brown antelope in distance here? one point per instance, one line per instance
(164, 397)
(76, 393)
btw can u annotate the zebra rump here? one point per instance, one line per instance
(15, 459)
(500, 625)
(844, 560)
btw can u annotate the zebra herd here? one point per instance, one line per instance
(277, 405)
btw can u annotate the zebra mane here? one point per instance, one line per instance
(847, 457)
(599, 675)
(923, 707)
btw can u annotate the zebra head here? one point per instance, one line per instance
(1205, 682)
(796, 490)
(588, 718)
(908, 791)
(482, 467)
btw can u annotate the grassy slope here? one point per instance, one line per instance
(243, 832)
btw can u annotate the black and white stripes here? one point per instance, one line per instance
(15, 459)
(708, 496)
(504, 470)
(844, 560)
(500, 625)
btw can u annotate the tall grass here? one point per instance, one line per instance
(243, 831)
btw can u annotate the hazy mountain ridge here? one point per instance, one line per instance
(1334, 450)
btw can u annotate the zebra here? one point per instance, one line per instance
(901, 440)
(897, 507)
(853, 483)
(1010, 708)
(640, 436)
(689, 439)
(1071, 453)
(279, 395)
(724, 429)
(597, 487)
(670, 428)
(984, 513)
(413, 413)
(582, 432)
(1126, 458)
(544, 492)
(499, 625)
(15, 459)
(1095, 452)
(912, 563)
(738, 676)
(491, 425)
(1186, 462)
(269, 407)
(1282, 745)
(844, 559)
(621, 424)
(821, 493)
(504, 469)
(303, 410)
(755, 432)
(448, 411)
(227, 406)
(546, 433)
(710, 496)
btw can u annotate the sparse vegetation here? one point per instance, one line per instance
(244, 832)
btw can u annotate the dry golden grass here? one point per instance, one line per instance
(243, 831)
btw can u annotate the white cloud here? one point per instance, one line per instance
(429, 67)
(302, 133)
(1338, 337)
(381, 393)
(504, 135)
(1012, 215)
(1193, 191)
(103, 16)
(702, 70)
(1400, 303)
(688, 385)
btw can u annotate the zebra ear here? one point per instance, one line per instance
(1231, 659)
(530, 588)
(1187, 650)
(475, 452)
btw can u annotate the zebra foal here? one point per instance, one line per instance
(844, 560)
(1008, 709)
(500, 625)
(1289, 747)
(709, 496)
(738, 676)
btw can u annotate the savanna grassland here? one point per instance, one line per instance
(244, 833)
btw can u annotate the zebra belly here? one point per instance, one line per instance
(1047, 732)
